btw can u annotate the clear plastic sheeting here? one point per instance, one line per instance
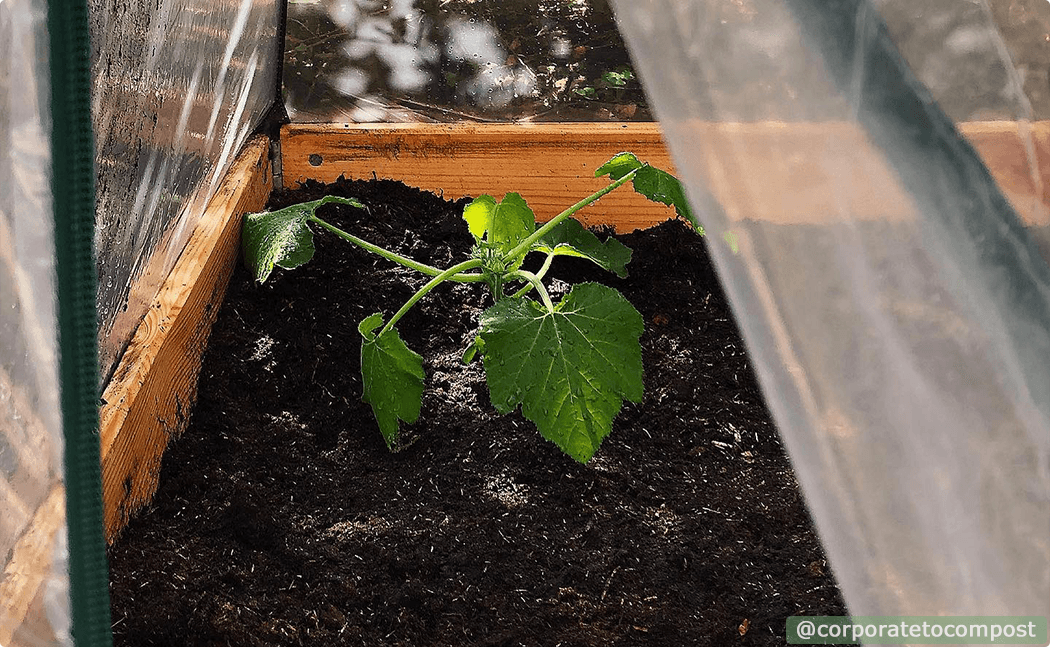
(179, 86)
(895, 305)
(32, 523)
(452, 60)
(988, 59)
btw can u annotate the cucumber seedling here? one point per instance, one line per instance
(569, 365)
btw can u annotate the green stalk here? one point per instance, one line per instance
(526, 244)
(448, 274)
(536, 283)
(429, 270)
(497, 287)
(540, 274)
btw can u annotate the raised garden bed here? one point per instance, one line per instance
(283, 519)
(570, 583)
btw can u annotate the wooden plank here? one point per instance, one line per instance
(30, 563)
(21, 430)
(149, 398)
(25, 439)
(24, 436)
(1023, 174)
(14, 515)
(822, 172)
(767, 170)
(36, 625)
(150, 276)
(551, 165)
(794, 173)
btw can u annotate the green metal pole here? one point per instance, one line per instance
(73, 189)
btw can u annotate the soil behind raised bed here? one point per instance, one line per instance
(282, 518)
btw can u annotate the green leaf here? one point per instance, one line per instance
(569, 238)
(479, 214)
(476, 346)
(393, 378)
(619, 166)
(514, 222)
(282, 237)
(661, 186)
(618, 78)
(653, 183)
(570, 370)
(732, 241)
(505, 224)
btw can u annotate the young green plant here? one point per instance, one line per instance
(611, 82)
(569, 365)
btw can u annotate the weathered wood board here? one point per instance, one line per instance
(148, 400)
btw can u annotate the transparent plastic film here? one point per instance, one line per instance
(891, 291)
(455, 60)
(178, 87)
(34, 609)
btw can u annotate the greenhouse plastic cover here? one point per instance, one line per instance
(897, 308)
(32, 530)
(179, 86)
(901, 332)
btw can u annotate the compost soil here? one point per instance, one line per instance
(282, 518)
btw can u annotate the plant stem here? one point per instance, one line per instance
(429, 270)
(448, 274)
(540, 274)
(524, 246)
(546, 265)
(536, 283)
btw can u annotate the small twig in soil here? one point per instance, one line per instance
(607, 583)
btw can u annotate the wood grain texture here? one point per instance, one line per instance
(1023, 174)
(14, 514)
(22, 432)
(767, 170)
(29, 448)
(148, 400)
(29, 564)
(31, 510)
(551, 165)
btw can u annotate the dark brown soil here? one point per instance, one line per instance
(282, 519)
